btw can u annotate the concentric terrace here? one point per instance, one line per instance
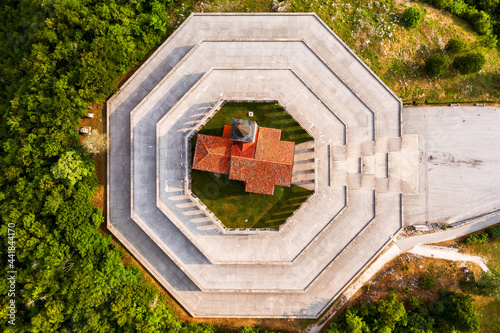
(357, 162)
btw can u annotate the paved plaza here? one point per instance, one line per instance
(370, 165)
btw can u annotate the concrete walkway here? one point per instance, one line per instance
(356, 122)
(257, 42)
(405, 244)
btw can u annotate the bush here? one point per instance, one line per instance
(480, 22)
(469, 63)
(455, 46)
(457, 7)
(436, 65)
(476, 238)
(412, 17)
(427, 282)
(493, 232)
(486, 5)
(489, 41)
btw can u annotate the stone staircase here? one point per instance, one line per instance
(384, 165)
(303, 173)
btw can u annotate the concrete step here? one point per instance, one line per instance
(354, 165)
(368, 148)
(353, 149)
(393, 144)
(338, 153)
(308, 145)
(368, 165)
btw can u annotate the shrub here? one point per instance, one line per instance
(454, 46)
(414, 303)
(493, 232)
(457, 7)
(489, 41)
(476, 238)
(436, 65)
(468, 283)
(480, 22)
(412, 17)
(427, 282)
(487, 5)
(469, 63)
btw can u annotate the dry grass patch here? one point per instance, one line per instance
(396, 54)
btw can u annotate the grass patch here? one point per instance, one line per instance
(270, 115)
(227, 198)
(489, 250)
(488, 308)
(236, 208)
(374, 31)
(489, 315)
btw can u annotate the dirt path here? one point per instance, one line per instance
(392, 252)
(447, 253)
(413, 245)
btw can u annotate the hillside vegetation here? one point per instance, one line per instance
(59, 57)
(397, 54)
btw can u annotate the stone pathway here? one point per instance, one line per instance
(300, 270)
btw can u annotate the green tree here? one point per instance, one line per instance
(412, 17)
(454, 46)
(390, 312)
(354, 324)
(427, 282)
(70, 168)
(481, 22)
(436, 65)
(417, 324)
(458, 312)
(489, 283)
(488, 6)
(469, 63)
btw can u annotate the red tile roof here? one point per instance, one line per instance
(270, 148)
(227, 132)
(260, 176)
(212, 153)
(261, 165)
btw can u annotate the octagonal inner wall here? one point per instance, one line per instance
(188, 181)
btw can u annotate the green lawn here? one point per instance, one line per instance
(488, 308)
(489, 314)
(227, 198)
(265, 114)
(236, 208)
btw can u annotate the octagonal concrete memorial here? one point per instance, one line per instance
(362, 165)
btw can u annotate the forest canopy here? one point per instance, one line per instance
(57, 57)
